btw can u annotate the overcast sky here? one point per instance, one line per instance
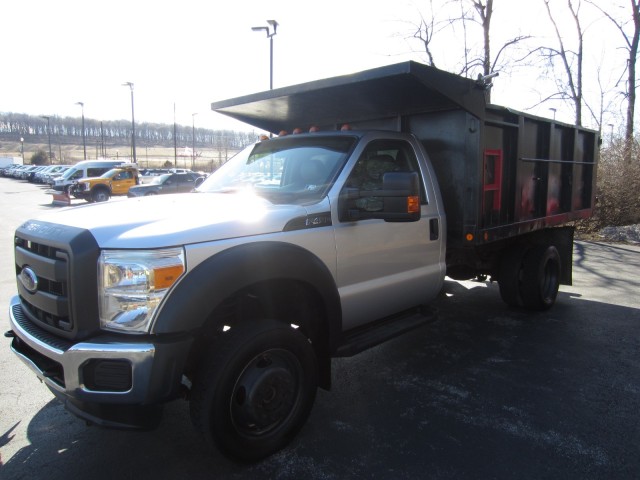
(192, 52)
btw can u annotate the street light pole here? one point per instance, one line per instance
(133, 123)
(22, 148)
(272, 24)
(84, 140)
(47, 118)
(193, 140)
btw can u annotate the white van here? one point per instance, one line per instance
(84, 169)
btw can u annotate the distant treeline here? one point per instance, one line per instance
(69, 130)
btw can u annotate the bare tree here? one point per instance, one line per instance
(632, 41)
(485, 12)
(570, 87)
(425, 33)
(606, 100)
(478, 12)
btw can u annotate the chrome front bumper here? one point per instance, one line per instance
(43, 350)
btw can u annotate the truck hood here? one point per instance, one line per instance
(180, 219)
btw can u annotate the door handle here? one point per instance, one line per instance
(434, 229)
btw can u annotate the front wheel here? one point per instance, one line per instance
(255, 390)
(100, 195)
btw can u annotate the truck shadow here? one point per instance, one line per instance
(483, 392)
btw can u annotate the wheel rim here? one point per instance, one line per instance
(267, 392)
(549, 285)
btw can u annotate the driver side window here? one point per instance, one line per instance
(380, 157)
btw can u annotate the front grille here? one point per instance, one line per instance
(56, 271)
(47, 318)
(54, 288)
(37, 248)
(49, 304)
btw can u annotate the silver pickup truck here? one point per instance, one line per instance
(238, 294)
(300, 249)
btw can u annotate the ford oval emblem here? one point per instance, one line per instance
(29, 279)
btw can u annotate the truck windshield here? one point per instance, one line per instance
(110, 173)
(69, 173)
(296, 169)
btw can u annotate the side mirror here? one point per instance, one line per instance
(400, 197)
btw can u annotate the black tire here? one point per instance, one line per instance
(510, 276)
(541, 277)
(255, 390)
(100, 195)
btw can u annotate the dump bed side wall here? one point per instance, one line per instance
(536, 173)
(505, 175)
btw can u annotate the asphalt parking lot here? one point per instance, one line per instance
(483, 392)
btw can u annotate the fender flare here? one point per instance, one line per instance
(205, 287)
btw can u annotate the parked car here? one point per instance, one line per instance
(84, 169)
(52, 177)
(116, 181)
(24, 173)
(31, 177)
(6, 171)
(43, 175)
(167, 183)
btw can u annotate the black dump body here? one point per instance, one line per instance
(502, 173)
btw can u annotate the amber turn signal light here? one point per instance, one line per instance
(413, 204)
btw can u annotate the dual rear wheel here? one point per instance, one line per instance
(530, 278)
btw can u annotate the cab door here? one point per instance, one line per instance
(170, 185)
(122, 182)
(186, 182)
(387, 267)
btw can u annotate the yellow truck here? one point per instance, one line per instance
(116, 181)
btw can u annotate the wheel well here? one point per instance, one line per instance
(559, 237)
(99, 187)
(291, 302)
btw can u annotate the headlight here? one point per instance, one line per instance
(132, 283)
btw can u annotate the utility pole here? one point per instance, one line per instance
(84, 140)
(47, 118)
(133, 124)
(193, 140)
(271, 29)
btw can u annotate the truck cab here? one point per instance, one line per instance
(116, 181)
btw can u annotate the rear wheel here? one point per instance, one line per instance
(541, 277)
(255, 390)
(510, 276)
